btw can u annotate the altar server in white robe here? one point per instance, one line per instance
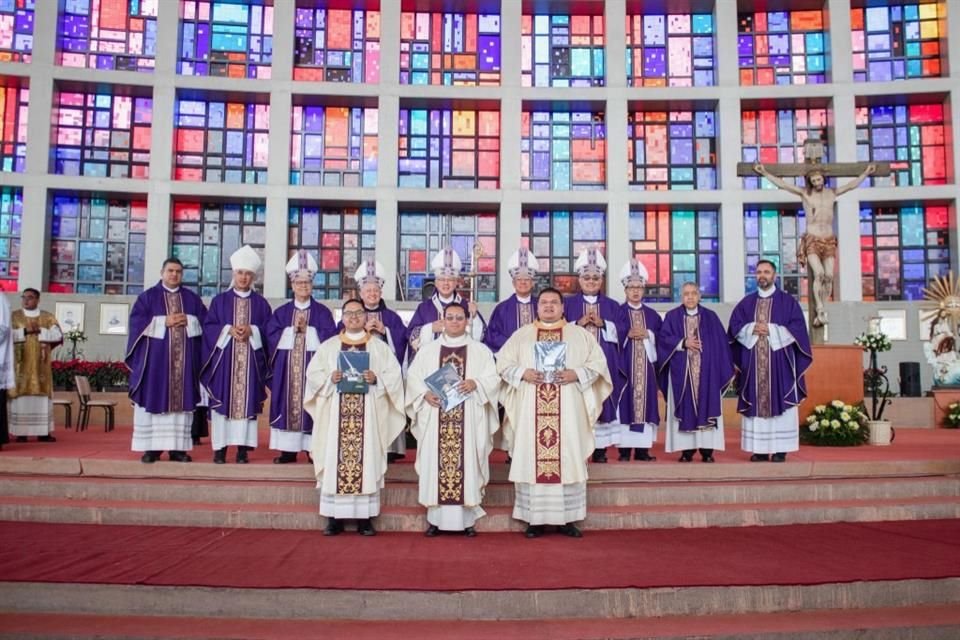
(549, 421)
(351, 431)
(454, 446)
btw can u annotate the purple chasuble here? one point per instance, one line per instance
(427, 312)
(236, 376)
(574, 308)
(771, 382)
(164, 372)
(697, 379)
(507, 317)
(289, 366)
(638, 400)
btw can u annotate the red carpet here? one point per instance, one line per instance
(252, 558)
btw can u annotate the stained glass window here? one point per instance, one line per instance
(205, 234)
(16, 30)
(334, 146)
(777, 135)
(912, 138)
(562, 50)
(97, 245)
(674, 50)
(449, 148)
(772, 232)
(897, 41)
(221, 141)
(108, 34)
(11, 210)
(557, 238)
(226, 38)
(336, 45)
(672, 150)
(14, 99)
(101, 134)
(902, 248)
(782, 47)
(424, 233)
(677, 245)
(449, 48)
(563, 150)
(338, 239)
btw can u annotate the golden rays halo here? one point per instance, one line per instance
(944, 293)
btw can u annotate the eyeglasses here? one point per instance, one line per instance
(354, 314)
(455, 318)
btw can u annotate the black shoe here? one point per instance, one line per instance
(365, 528)
(242, 455)
(760, 457)
(599, 455)
(46, 439)
(220, 456)
(21, 438)
(624, 455)
(285, 457)
(432, 531)
(643, 455)
(333, 527)
(708, 458)
(150, 457)
(686, 456)
(470, 532)
(533, 531)
(180, 456)
(570, 530)
(779, 457)
(393, 456)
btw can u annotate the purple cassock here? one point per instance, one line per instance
(289, 366)
(164, 372)
(575, 307)
(427, 312)
(771, 382)
(393, 323)
(696, 379)
(638, 400)
(235, 376)
(507, 317)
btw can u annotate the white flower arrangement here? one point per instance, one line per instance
(876, 342)
(836, 424)
(952, 419)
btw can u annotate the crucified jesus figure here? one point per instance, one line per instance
(818, 246)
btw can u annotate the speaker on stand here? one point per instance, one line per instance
(910, 379)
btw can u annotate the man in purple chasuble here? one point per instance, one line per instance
(600, 316)
(639, 404)
(693, 352)
(164, 355)
(520, 308)
(235, 373)
(427, 322)
(295, 332)
(771, 349)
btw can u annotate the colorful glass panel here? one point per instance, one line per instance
(11, 211)
(677, 245)
(562, 50)
(226, 38)
(108, 34)
(672, 150)
(563, 150)
(424, 233)
(449, 148)
(205, 234)
(770, 136)
(912, 138)
(14, 100)
(557, 237)
(336, 45)
(450, 48)
(670, 50)
(16, 30)
(221, 141)
(334, 146)
(772, 232)
(902, 248)
(102, 134)
(97, 245)
(338, 238)
(782, 47)
(897, 41)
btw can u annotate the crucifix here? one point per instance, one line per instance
(818, 245)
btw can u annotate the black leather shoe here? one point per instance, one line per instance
(708, 458)
(624, 455)
(46, 439)
(220, 456)
(365, 528)
(470, 532)
(149, 457)
(686, 457)
(779, 457)
(432, 531)
(643, 455)
(285, 457)
(599, 455)
(180, 456)
(242, 455)
(333, 527)
(759, 457)
(570, 530)
(21, 438)
(532, 531)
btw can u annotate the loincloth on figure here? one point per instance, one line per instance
(820, 247)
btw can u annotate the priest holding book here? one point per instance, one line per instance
(452, 388)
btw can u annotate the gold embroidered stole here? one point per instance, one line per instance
(33, 376)
(296, 368)
(592, 328)
(176, 353)
(547, 421)
(450, 441)
(240, 370)
(762, 352)
(692, 330)
(639, 364)
(524, 313)
(350, 437)
(375, 315)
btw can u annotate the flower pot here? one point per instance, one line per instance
(881, 432)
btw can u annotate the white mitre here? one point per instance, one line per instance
(245, 259)
(302, 265)
(369, 271)
(523, 264)
(633, 272)
(446, 264)
(590, 261)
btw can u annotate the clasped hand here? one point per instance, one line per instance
(692, 343)
(176, 320)
(240, 332)
(637, 333)
(563, 376)
(590, 318)
(761, 329)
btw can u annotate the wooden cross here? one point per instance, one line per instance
(813, 161)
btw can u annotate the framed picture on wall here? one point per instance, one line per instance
(69, 315)
(114, 318)
(893, 322)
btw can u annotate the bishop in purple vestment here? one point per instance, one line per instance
(164, 355)
(518, 310)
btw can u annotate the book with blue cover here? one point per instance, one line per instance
(444, 382)
(352, 364)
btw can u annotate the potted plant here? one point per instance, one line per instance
(952, 419)
(835, 425)
(75, 337)
(876, 384)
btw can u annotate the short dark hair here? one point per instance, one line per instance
(550, 290)
(769, 262)
(172, 260)
(33, 291)
(458, 305)
(349, 301)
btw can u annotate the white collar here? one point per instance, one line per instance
(459, 341)
(301, 305)
(31, 313)
(692, 312)
(355, 336)
(446, 300)
(639, 306)
(590, 299)
(525, 300)
(766, 293)
(166, 288)
(550, 325)
(243, 294)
